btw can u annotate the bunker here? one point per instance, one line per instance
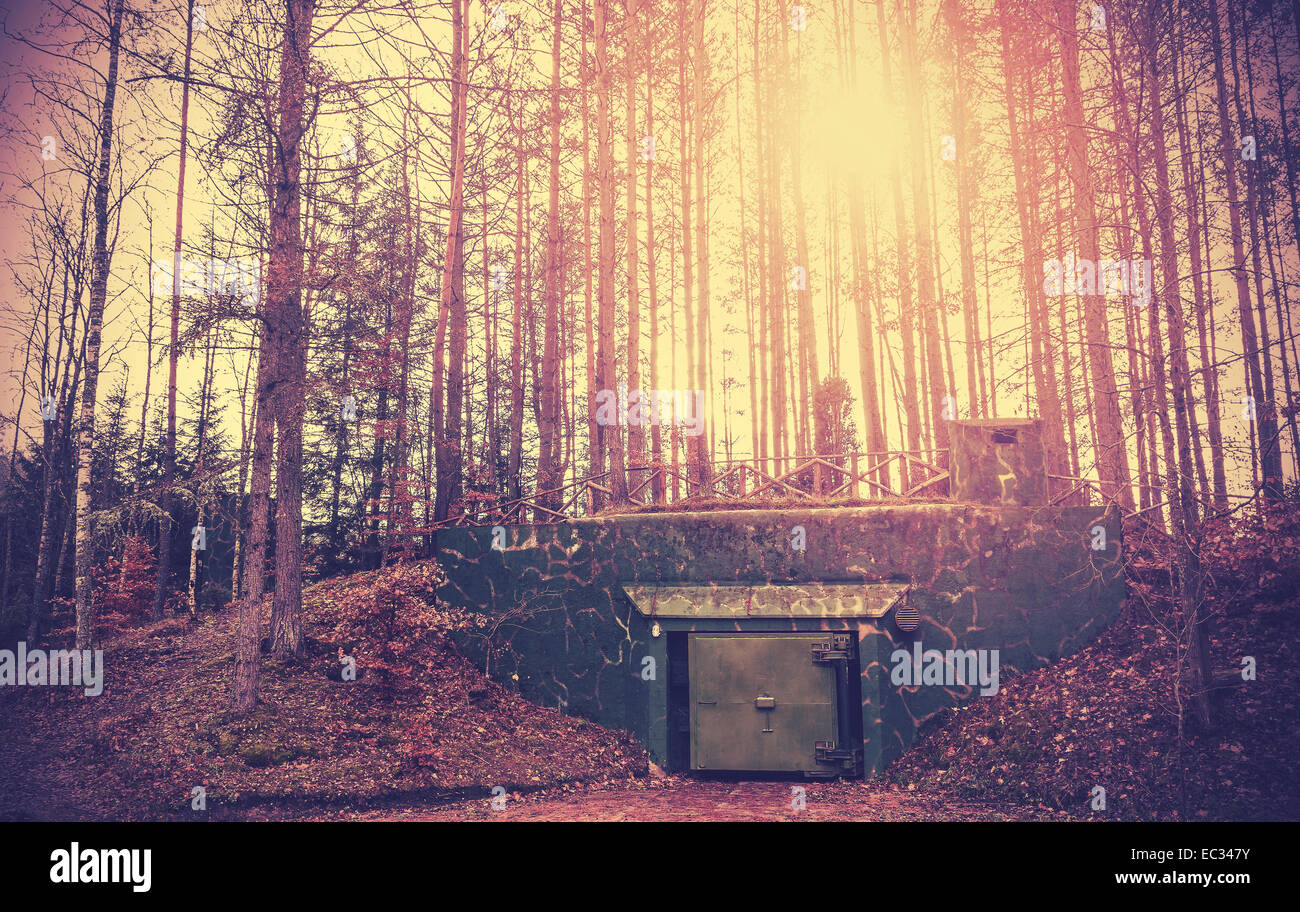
(810, 641)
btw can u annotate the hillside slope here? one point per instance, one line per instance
(160, 729)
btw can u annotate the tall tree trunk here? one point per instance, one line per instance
(1200, 285)
(1183, 505)
(341, 425)
(657, 487)
(399, 501)
(1112, 454)
(612, 438)
(635, 432)
(762, 416)
(374, 491)
(247, 422)
(515, 457)
(928, 302)
(447, 366)
(1138, 366)
(1266, 408)
(166, 522)
(549, 476)
(248, 653)
(955, 17)
(101, 263)
(688, 281)
(806, 365)
(194, 585)
(1291, 181)
(45, 556)
(703, 108)
(595, 438)
(906, 308)
(285, 305)
(1270, 456)
(1023, 163)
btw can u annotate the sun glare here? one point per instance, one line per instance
(850, 133)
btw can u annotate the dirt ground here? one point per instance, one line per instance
(678, 798)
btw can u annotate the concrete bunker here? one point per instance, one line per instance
(794, 640)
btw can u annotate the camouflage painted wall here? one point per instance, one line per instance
(1026, 581)
(998, 461)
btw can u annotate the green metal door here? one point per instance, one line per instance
(760, 702)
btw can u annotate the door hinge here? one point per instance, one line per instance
(826, 752)
(837, 647)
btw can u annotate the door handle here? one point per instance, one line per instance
(765, 702)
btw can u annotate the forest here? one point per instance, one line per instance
(292, 286)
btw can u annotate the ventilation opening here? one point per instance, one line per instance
(1004, 435)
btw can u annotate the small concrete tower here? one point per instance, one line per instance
(998, 461)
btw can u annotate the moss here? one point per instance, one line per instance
(257, 755)
(261, 755)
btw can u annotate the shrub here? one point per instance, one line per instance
(394, 623)
(124, 588)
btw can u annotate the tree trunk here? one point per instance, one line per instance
(595, 439)
(1200, 289)
(446, 414)
(965, 193)
(657, 487)
(635, 432)
(906, 309)
(703, 107)
(515, 457)
(1183, 504)
(1112, 455)
(173, 351)
(285, 305)
(1266, 409)
(549, 478)
(101, 263)
(248, 655)
(1270, 456)
(606, 380)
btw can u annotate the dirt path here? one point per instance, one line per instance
(682, 799)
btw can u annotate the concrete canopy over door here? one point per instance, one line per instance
(739, 600)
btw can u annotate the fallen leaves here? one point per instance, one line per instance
(162, 729)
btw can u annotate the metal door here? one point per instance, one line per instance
(760, 702)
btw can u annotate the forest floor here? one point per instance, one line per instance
(160, 730)
(682, 798)
(1107, 717)
(326, 749)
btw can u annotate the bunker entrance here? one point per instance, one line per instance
(763, 640)
(772, 702)
(761, 678)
